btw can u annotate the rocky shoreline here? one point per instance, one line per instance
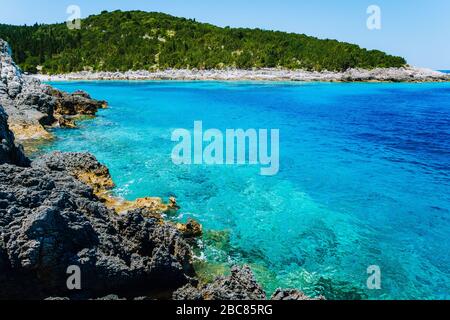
(406, 74)
(32, 107)
(57, 212)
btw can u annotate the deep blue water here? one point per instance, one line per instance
(364, 177)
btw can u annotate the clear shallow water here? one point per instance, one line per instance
(364, 177)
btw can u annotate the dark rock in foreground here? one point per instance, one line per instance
(50, 221)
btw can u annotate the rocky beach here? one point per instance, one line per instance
(57, 211)
(406, 74)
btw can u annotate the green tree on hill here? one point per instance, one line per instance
(133, 40)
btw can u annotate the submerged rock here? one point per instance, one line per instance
(66, 122)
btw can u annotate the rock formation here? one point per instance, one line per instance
(31, 105)
(50, 221)
(240, 285)
(77, 103)
(291, 294)
(82, 166)
(192, 229)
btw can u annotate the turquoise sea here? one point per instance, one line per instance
(364, 178)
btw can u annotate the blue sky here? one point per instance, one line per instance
(415, 29)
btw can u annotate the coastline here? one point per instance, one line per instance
(406, 74)
(57, 212)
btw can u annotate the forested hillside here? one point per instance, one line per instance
(136, 40)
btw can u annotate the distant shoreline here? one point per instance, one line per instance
(407, 74)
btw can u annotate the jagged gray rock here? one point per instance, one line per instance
(73, 163)
(49, 221)
(32, 105)
(10, 152)
(25, 99)
(240, 285)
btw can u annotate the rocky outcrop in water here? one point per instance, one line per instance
(32, 106)
(77, 103)
(85, 168)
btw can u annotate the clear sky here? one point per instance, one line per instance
(415, 29)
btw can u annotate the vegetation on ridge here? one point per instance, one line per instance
(137, 40)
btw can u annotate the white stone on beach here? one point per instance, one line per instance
(406, 74)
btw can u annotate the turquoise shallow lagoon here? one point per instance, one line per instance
(364, 177)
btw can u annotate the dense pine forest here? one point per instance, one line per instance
(136, 40)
